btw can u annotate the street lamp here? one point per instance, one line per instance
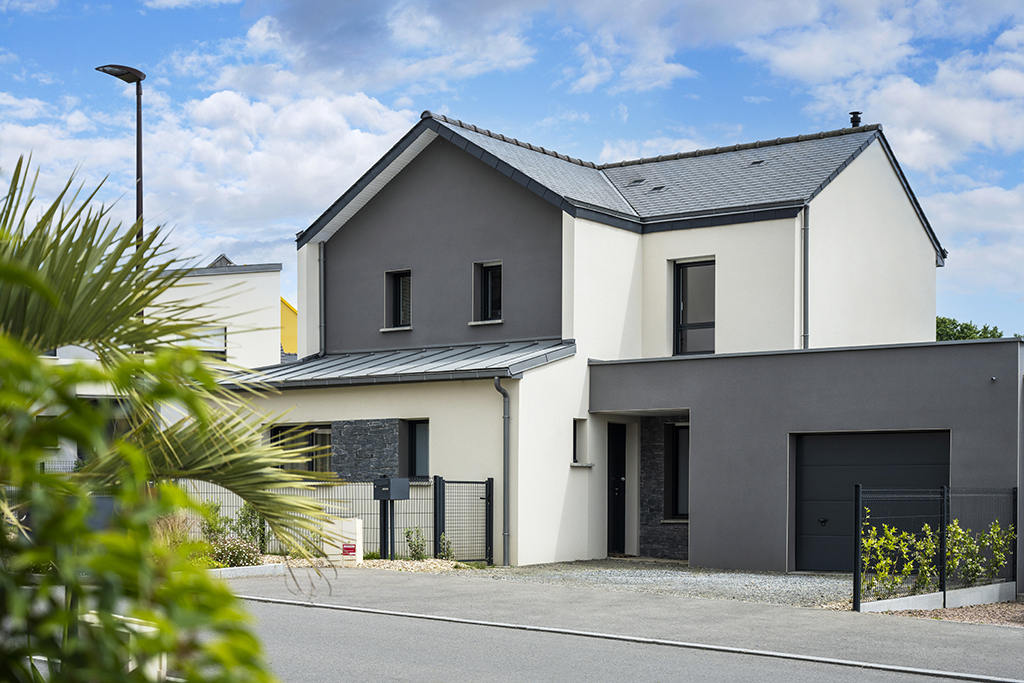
(130, 75)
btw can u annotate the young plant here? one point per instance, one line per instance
(417, 543)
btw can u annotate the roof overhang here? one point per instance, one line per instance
(399, 366)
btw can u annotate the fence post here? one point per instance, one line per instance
(1016, 528)
(383, 533)
(438, 513)
(489, 542)
(858, 517)
(944, 516)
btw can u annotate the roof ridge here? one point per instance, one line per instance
(667, 157)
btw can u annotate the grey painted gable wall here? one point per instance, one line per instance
(444, 212)
(744, 408)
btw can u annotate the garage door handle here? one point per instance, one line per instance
(823, 520)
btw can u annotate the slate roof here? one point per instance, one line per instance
(454, 362)
(745, 180)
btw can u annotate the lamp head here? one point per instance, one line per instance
(125, 73)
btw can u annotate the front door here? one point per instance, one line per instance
(616, 489)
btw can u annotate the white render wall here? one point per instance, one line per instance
(757, 284)
(872, 266)
(247, 304)
(308, 333)
(465, 426)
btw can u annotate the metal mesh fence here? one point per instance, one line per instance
(468, 523)
(915, 541)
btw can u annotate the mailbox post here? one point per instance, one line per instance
(387, 490)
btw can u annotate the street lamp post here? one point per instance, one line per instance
(130, 75)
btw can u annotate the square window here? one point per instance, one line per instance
(315, 440)
(694, 304)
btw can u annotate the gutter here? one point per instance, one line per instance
(321, 297)
(806, 267)
(504, 473)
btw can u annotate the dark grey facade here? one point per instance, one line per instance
(362, 450)
(443, 213)
(746, 410)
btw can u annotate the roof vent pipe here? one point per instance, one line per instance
(855, 119)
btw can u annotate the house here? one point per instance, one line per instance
(701, 351)
(237, 300)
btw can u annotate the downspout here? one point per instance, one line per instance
(321, 297)
(806, 267)
(504, 473)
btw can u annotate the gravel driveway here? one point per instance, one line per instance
(805, 590)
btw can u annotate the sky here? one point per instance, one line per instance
(260, 114)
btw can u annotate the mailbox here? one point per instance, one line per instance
(391, 488)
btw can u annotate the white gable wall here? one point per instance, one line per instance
(872, 266)
(308, 342)
(757, 288)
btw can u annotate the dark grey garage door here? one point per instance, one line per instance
(828, 466)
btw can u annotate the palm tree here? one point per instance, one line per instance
(70, 277)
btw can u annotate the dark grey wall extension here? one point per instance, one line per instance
(747, 410)
(444, 212)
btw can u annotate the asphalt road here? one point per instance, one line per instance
(317, 644)
(314, 646)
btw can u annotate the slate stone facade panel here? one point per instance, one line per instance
(362, 450)
(657, 538)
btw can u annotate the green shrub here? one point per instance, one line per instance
(372, 555)
(214, 524)
(417, 543)
(445, 552)
(232, 551)
(251, 526)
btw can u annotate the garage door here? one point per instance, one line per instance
(828, 466)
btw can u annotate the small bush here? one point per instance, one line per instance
(445, 552)
(232, 551)
(372, 555)
(171, 531)
(417, 543)
(214, 524)
(249, 525)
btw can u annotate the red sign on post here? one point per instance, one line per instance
(348, 548)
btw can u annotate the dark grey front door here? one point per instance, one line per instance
(616, 488)
(828, 466)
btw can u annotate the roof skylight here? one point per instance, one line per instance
(635, 182)
(659, 188)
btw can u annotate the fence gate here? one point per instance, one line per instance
(464, 514)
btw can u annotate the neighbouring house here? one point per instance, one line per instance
(289, 331)
(703, 351)
(239, 301)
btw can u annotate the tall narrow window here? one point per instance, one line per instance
(401, 299)
(490, 293)
(695, 308)
(677, 472)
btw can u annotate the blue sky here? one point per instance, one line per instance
(259, 114)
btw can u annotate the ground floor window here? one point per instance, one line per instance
(414, 449)
(315, 438)
(677, 471)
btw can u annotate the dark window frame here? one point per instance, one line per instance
(409, 456)
(401, 298)
(673, 464)
(680, 328)
(487, 285)
(305, 436)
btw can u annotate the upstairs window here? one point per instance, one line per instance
(400, 295)
(694, 308)
(486, 292)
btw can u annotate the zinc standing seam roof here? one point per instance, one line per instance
(466, 361)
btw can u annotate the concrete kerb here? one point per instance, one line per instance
(248, 572)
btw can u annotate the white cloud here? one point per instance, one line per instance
(983, 229)
(596, 70)
(28, 5)
(756, 99)
(621, 113)
(177, 4)
(620, 150)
